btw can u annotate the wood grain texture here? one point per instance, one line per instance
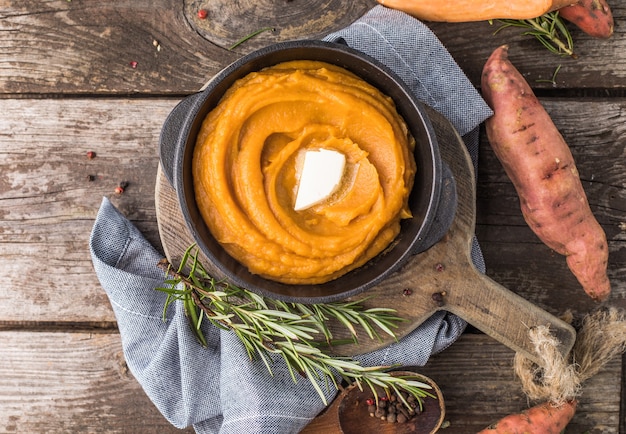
(538, 65)
(48, 208)
(228, 22)
(83, 385)
(68, 85)
(71, 382)
(86, 47)
(48, 204)
(348, 413)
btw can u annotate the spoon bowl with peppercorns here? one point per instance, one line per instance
(358, 410)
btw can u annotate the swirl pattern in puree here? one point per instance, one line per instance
(248, 158)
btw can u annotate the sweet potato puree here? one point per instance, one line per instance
(248, 157)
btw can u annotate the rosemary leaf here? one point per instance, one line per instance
(345, 365)
(381, 310)
(288, 332)
(316, 386)
(259, 300)
(278, 314)
(250, 36)
(345, 321)
(266, 362)
(383, 325)
(266, 326)
(371, 333)
(184, 259)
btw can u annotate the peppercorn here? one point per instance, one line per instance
(371, 409)
(394, 407)
(202, 14)
(91, 155)
(438, 298)
(380, 413)
(121, 188)
(404, 412)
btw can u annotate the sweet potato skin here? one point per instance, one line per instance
(540, 165)
(593, 17)
(543, 418)
(472, 10)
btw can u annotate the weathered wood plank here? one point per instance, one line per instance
(48, 204)
(71, 382)
(83, 384)
(87, 47)
(538, 65)
(56, 46)
(227, 22)
(77, 381)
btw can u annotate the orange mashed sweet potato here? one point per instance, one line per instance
(247, 160)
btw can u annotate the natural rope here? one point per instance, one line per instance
(556, 380)
(602, 336)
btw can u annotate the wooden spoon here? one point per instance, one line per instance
(348, 413)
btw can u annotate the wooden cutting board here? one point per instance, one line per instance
(442, 278)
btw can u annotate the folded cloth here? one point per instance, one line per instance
(217, 389)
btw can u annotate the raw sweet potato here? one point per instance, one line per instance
(541, 167)
(593, 17)
(544, 418)
(475, 10)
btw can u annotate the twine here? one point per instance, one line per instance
(601, 336)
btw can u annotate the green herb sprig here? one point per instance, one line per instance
(549, 29)
(266, 326)
(250, 36)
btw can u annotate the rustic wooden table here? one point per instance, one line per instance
(102, 75)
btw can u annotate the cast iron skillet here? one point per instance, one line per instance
(178, 140)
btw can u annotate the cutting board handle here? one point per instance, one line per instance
(504, 315)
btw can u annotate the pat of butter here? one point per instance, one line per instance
(321, 174)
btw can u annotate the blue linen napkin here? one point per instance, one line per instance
(217, 389)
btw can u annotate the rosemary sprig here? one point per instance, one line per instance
(266, 326)
(549, 29)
